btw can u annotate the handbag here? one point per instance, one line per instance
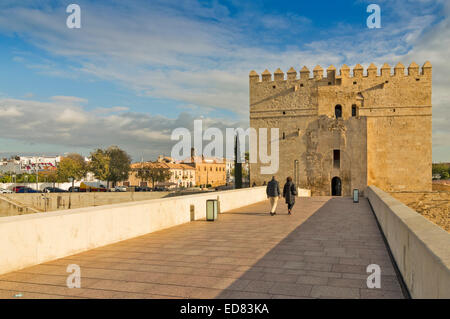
(293, 190)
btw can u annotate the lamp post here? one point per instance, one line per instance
(70, 193)
(25, 178)
(37, 179)
(237, 165)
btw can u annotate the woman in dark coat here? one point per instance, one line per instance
(289, 193)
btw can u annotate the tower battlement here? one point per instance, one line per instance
(372, 71)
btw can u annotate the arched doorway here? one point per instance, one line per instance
(336, 186)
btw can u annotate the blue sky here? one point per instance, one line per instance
(138, 69)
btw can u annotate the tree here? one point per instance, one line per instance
(72, 166)
(244, 173)
(153, 173)
(99, 164)
(119, 164)
(443, 169)
(49, 177)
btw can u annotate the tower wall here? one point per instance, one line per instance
(384, 134)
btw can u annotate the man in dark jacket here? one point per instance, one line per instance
(273, 193)
(289, 193)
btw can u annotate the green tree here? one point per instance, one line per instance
(5, 179)
(244, 173)
(442, 169)
(72, 166)
(49, 177)
(153, 173)
(119, 164)
(99, 164)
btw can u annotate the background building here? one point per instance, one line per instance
(208, 171)
(31, 164)
(181, 175)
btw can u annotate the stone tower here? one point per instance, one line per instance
(346, 131)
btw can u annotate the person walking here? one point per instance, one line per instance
(289, 193)
(273, 193)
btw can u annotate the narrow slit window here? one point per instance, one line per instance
(336, 158)
(353, 110)
(338, 111)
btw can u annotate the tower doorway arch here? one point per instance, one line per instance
(336, 186)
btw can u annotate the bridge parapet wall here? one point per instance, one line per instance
(29, 240)
(420, 248)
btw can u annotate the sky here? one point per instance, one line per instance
(136, 70)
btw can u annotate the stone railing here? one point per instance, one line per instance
(28, 240)
(420, 248)
(9, 207)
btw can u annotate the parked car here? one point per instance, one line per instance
(146, 189)
(5, 191)
(92, 187)
(119, 189)
(24, 189)
(76, 189)
(161, 189)
(54, 190)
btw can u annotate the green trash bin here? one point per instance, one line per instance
(356, 195)
(211, 209)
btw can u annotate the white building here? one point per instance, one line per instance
(31, 164)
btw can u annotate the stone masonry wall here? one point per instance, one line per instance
(384, 134)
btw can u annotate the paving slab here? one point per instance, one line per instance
(321, 251)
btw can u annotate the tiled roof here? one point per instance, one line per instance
(161, 165)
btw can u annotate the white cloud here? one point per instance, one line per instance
(71, 117)
(68, 100)
(10, 111)
(74, 127)
(201, 55)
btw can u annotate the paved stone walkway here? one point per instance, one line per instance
(321, 251)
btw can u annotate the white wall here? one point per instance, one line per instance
(420, 248)
(41, 186)
(28, 240)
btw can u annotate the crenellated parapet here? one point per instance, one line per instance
(345, 72)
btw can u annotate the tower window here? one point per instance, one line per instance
(336, 158)
(284, 136)
(353, 110)
(338, 111)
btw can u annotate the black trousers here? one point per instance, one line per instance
(290, 205)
